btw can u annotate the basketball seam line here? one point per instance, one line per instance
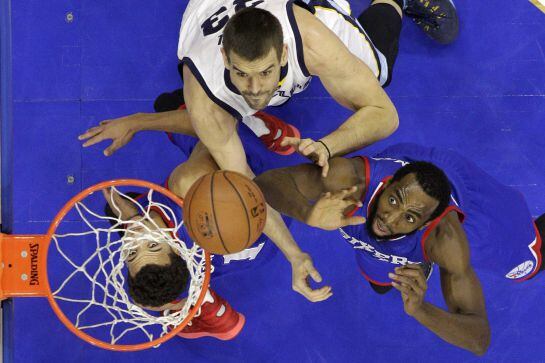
(189, 211)
(245, 210)
(214, 213)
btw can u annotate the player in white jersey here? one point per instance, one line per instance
(276, 45)
(240, 56)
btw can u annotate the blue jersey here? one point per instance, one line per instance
(499, 227)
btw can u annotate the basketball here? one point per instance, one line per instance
(224, 212)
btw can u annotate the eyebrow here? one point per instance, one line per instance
(398, 194)
(241, 71)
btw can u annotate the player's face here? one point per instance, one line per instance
(402, 208)
(148, 252)
(257, 80)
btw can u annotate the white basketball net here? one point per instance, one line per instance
(104, 272)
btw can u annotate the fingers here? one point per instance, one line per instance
(94, 140)
(407, 282)
(306, 147)
(405, 290)
(312, 271)
(105, 122)
(413, 271)
(325, 169)
(352, 201)
(412, 266)
(107, 192)
(112, 148)
(343, 193)
(301, 272)
(340, 198)
(323, 162)
(317, 295)
(353, 221)
(93, 131)
(290, 141)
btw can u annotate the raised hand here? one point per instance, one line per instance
(123, 208)
(329, 212)
(314, 150)
(120, 131)
(412, 284)
(303, 269)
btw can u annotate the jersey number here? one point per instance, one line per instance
(217, 21)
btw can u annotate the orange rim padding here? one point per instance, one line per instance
(24, 266)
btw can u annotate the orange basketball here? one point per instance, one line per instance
(224, 212)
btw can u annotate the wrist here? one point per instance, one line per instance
(326, 147)
(295, 256)
(329, 140)
(420, 312)
(141, 122)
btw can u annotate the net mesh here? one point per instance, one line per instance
(89, 283)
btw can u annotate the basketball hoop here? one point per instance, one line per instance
(79, 265)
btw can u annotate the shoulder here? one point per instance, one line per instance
(197, 100)
(319, 42)
(309, 26)
(447, 244)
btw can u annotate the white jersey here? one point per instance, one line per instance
(200, 44)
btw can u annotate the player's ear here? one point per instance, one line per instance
(225, 58)
(284, 57)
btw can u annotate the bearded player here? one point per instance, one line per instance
(412, 207)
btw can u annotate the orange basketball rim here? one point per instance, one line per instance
(24, 268)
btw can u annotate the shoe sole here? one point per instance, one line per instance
(231, 334)
(453, 33)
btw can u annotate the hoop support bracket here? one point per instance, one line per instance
(23, 270)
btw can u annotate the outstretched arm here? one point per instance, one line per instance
(122, 130)
(300, 192)
(465, 324)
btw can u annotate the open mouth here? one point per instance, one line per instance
(379, 227)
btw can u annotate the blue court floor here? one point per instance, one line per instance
(483, 96)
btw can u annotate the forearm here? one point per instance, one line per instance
(282, 194)
(275, 228)
(176, 121)
(278, 233)
(470, 332)
(365, 127)
(230, 156)
(234, 161)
